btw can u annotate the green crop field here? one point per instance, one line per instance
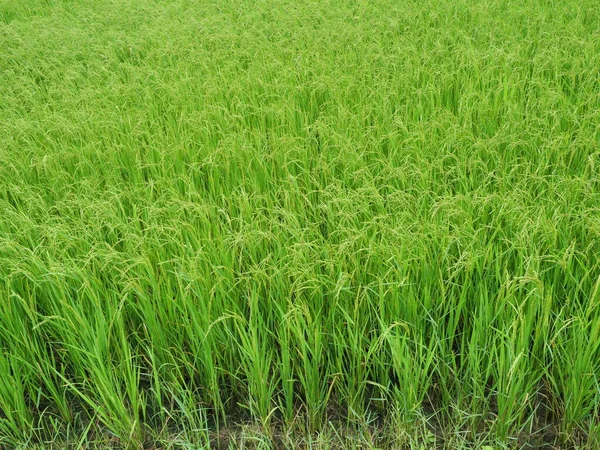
(319, 224)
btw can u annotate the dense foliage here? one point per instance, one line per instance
(380, 214)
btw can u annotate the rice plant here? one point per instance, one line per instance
(299, 224)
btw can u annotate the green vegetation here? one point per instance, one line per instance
(328, 223)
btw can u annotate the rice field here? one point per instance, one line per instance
(300, 224)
